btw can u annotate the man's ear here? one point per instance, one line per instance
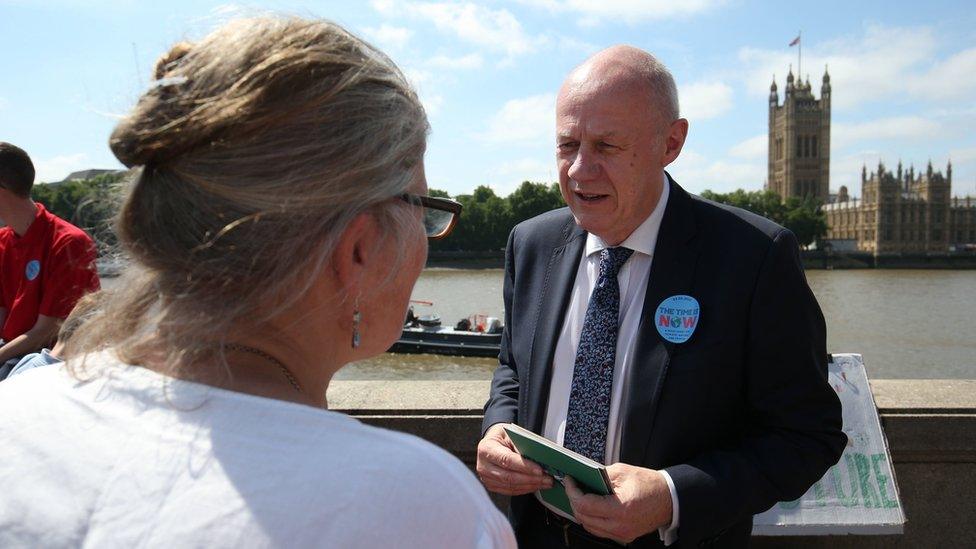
(674, 140)
(356, 248)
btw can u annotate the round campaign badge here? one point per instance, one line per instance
(33, 269)
(677, 318)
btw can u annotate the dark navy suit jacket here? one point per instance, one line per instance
(741, 415)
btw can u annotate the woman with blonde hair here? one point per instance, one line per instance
(276, 224)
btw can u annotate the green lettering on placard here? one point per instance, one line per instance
(864, 479)
(839, 489)
(876, 460)
(790, 504)
(820, 494)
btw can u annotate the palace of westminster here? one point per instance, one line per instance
(899, 211)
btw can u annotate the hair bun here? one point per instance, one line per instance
(170, 58)
(138, 140)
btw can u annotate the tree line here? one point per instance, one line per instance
(89, 204)
(487, 218)
(485, 221)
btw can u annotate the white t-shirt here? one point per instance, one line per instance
(131, 458)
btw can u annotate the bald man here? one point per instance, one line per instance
(674, 339)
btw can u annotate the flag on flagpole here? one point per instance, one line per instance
(795, 41)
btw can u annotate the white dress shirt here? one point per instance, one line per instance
(633, 279)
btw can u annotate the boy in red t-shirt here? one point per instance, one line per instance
(46, 263)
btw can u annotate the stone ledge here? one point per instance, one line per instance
(920, 396)
(401, 397)
(930, 425)
(892, 396)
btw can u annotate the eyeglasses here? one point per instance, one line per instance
(440, 214)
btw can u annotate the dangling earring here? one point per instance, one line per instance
(356, 317)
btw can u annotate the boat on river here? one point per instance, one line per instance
(478, 335)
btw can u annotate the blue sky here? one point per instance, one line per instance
(903, 76)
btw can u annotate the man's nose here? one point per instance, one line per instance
(583, 167)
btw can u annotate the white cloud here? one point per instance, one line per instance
(899, 127)
(510, 175)
(464, 62)
(963, 170)
(423, 82)
(752, 148)
(963, 155)
(385, 7)
(704, 100)
(568, 43)
(417, 77)
(388, 36)
(432, 103)
(592, 12)
(227, 10)
(883, 62)
(58, 167)
(496, 30)
(846, 170)
(954, 78)
(528, 119)
(696, 173)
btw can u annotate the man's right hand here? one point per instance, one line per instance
(503, 470)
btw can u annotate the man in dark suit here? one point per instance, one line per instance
(672, 338)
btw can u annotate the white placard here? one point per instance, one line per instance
(859, 495)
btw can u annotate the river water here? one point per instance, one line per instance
(906, 323)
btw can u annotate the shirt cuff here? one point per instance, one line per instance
(669, 534)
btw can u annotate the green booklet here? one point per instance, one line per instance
(559, 462)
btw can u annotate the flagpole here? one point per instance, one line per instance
(799, 55)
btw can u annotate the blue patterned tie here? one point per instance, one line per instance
(589, 398)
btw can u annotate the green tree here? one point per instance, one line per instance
(484, 224)
(803, 216)
(764, 203)
(532, 199)
(806, 219)
(487, 218)
(90, 204)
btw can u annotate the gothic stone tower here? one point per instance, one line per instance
(799, 140)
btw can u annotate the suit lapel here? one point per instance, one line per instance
(672, 273)
(557, 289)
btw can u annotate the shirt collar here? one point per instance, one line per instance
(36, 229)
(644, 237)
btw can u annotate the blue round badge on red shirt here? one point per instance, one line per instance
(33, 269)
(677, 318)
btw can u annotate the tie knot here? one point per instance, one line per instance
(611, 259)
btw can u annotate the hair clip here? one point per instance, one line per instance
(169, 81)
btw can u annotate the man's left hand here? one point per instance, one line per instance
(640, 504)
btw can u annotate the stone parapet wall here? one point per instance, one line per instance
(930, 425)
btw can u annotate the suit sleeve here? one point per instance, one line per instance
(502, 405)
(794, 423)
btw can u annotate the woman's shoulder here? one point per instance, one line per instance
(29, 384)
(402, 452)
(410, 482)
